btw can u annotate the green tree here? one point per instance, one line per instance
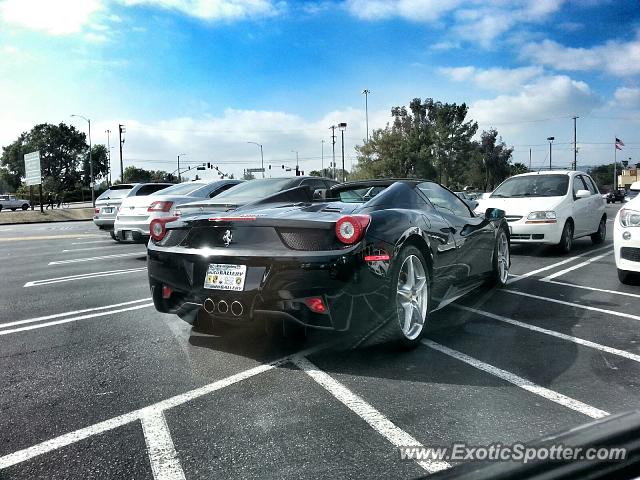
(61, 148)
(495, 158)
(518, 168)
(140, 175)
(100, 160)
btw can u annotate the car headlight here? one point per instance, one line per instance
(629, 218)
(545, 215)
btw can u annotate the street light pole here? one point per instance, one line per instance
(551, 139)
(179, 176)
(333, 148)
(343, 127)
(93, 193)
(108, 132)
(322, 157)
(261, 156)
(297, 165)
(366, 93)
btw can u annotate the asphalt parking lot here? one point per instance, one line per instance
(97, 384)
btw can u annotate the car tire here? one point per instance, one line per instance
(501, 261)
(624, 276)
(114, 236)
(601, 235)
(0, 208)
(25, 207)
(566, 239)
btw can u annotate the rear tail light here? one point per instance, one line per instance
(166, 292)
(350, 229)
(97, 210)
(315, 304)
(158, 227)
(160, 207)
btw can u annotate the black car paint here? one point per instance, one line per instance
(279, 278)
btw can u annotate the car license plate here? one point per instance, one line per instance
(107, 210)
(221, 276)
(128, 235)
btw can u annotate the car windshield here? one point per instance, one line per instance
(115, 192)
(357, 194)
(254, 190)
(180, 189)
(533, 186)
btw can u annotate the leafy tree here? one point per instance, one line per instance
(603, 176)
(140, 175)
(518, 168)
(61, 148)
(100, 160)
(495, 158)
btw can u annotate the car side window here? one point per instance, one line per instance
(314, 184)
(591, 184)
(218, 191)
(444, 200)
(578, 184)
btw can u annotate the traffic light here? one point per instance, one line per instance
(269, 167)
(283, 167)
(297, 171)
(208, 164)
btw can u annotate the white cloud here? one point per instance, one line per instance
(547, 97)
(498, 79)
(55, 17)
(415, 10)
(9, 49)
(216, 9)
(615, 57)
(628, 98)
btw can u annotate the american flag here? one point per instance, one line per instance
(619, 144)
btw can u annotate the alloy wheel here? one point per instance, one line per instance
(412, 297)
(503, 258)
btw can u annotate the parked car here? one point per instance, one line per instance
(13, 203)
(375, 266)
(616, 196)
(108, 202)
(626, 238)
(632, 192)
(136, 212)
(254, 190)
(551, 207)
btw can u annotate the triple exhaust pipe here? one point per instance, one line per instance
(222, 307)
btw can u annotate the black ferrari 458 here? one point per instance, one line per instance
(374, 257)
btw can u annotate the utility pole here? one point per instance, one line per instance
(92, 181)
(551, 139)
(261, 156)
(343, 126)
(108, 132)
(333, 146)
(180, 176)
(529, 159)
(366, 93)
(297, 165)
(121, 130)
(575, 145)
(322, 158)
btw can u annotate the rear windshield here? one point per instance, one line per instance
(533, 186)
(357, 193)
(116, 191)
(256, 189)
(151, 188)
(180, 189)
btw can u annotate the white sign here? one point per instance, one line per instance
(254, 170)
(32, 172)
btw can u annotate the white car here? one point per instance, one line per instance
(11, 202)
(626, 237)
(136, 212)
(550, 207)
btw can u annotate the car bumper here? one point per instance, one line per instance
(132, 230)
(104, 224)
(546, 233)
(629, 258)
(276, 288)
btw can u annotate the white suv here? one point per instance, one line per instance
(550, 207)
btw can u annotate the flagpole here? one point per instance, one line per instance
(615, 162)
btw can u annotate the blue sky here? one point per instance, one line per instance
(204, 77)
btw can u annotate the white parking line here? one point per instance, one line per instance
(579, 341)
(575, 267)
(93, 241)
(66, 314)
(162, 453)
(554, 265)
(86, 249)
(572, 304)
(366, 412)
(594, 289)
(83, 276)
(523, 383)
(115, 422)
(93, 259)
(72, 319)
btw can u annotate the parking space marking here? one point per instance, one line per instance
(47, 237)
(93, 259)
(162, 453)
(366, 412)
(557, 264)
(72, 319)
(83, 276)
(518, 381)
(575, 267)
(66, 314)
(572, 304)
(553, 333)
(86, 249)
(92, 241)
(594, 289)
(115, 422)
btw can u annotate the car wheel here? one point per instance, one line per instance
(0, 208)
(566, 240)
(13, 209)
(600, 236)
(25, 207)
(501, 261)
(624, 276)
(114, 236)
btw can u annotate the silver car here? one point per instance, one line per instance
(13, 203)
(136, 213)
(108, 203)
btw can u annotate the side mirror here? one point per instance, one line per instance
(494, 213)
(320, 194)
(583, 194)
